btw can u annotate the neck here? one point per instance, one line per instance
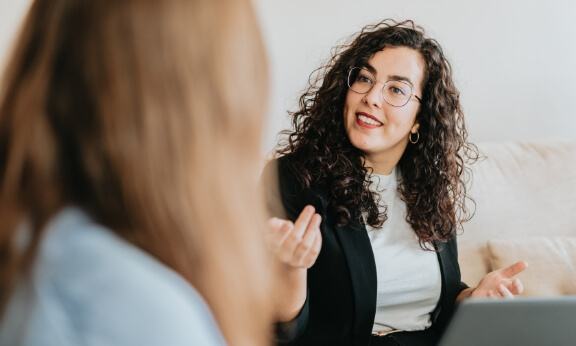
(381, 167)
(383, 162)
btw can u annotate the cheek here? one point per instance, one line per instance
(350, 104)
(346, 112)
(408, 118)
(347, 122)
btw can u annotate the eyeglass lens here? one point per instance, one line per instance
(396, 93)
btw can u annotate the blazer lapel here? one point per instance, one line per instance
(450, 271)
(360, 258)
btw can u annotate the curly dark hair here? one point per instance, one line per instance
(433, 171)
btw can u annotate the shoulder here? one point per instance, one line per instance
(282, 171)
(103, 288)
(275, 168)
(278, 179)
(286, 194)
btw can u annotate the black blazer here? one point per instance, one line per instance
(341, 301)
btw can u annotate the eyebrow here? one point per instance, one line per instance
(392, 77)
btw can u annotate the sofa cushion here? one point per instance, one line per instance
(551, 262)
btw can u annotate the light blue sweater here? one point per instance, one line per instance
(89, 287)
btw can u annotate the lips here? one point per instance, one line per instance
(367, 119)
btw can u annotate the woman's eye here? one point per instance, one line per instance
(364, 79)
(397, 91)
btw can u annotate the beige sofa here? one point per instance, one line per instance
(525, 194)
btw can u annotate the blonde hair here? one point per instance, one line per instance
(148, 115)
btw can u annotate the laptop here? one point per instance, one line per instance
(522, 321)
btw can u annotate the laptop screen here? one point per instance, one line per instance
(520, 321)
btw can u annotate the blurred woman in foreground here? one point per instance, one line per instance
(120, 122)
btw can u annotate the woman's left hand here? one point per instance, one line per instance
(499, 283)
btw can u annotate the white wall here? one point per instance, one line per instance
(514, 60)
(11, 15)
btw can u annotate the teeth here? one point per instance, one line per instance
(369, 120)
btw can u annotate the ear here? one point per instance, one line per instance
(415, 127)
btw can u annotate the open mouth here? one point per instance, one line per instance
(368, 120)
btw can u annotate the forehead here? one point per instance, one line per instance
(403, 62)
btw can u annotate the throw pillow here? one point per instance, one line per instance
(551, 263)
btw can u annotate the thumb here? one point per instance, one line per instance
(274, 223)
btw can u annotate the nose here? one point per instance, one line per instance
(374, 96)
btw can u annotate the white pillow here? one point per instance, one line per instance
(551, 263)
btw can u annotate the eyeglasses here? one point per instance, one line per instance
(396, 93)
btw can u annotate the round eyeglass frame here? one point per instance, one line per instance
(382, 92)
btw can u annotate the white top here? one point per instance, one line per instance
(89, 287)
(409, 279)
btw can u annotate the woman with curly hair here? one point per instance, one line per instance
(372, 182)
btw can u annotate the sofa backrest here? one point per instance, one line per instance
(522, 190)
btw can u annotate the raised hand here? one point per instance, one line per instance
(500, 283)
(296, 244)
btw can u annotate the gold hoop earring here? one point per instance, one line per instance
(414, 141)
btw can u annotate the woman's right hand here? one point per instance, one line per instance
(296, 244)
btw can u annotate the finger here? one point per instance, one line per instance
(504, 292)
(516, 287)
(278, 230)
(514, 269)
(314, 252)
(297, 233)
(307, 243)
(274, 224)
(295, 237)
(303, 221)
(290, 244)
